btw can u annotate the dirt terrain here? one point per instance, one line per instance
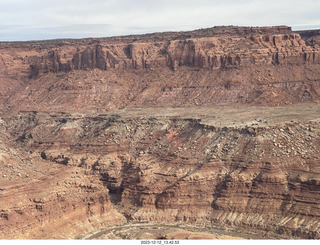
(145, 231)
(210, 134)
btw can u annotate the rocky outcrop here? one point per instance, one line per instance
(311, 37)
(222, 65)
(254, 176)
(42, 201)
(77, 154)
(212, 49)
(51, 203)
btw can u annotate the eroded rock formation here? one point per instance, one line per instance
(43, 201)
(73, 162)
(222, 65)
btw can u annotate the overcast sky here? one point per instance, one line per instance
(50, 19)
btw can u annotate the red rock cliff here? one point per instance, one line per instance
(237, 65)
(192, 165)
(249, 175)
(209, 48)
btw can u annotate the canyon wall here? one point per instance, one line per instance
(257, 177)
(42, 201)
(210, 48)
(222, 65)
(77, 154)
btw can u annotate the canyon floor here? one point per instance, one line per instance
(145, 231)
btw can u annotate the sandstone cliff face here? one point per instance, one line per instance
(240, 48)
(311, 37)
(40, 200)
(205, 67)
(73, 162)
(164, 169)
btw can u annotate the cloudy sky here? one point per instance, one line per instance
(50, 19)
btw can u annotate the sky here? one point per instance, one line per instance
(22, 20)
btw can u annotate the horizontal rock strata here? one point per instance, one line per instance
(222, 65)
(179, 169)
(166, 128)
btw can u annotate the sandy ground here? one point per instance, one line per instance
(231, 116)
(143, 231)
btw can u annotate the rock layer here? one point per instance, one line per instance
(40, 200)
(73, 162)
(253, 176)
(222, 65)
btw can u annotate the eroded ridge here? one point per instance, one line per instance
(258, 172)
(216, 127)
(221, 65)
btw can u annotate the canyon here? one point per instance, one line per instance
(213, 128)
